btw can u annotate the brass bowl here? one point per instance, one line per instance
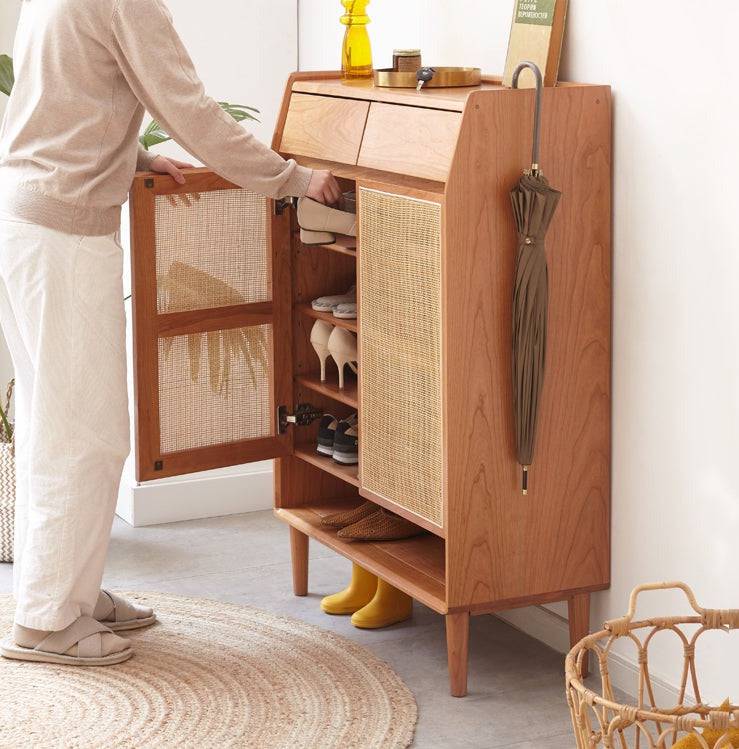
(443, 78)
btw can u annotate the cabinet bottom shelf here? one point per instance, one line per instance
(415, 565)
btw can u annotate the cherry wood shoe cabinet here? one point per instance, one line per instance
(225, 373)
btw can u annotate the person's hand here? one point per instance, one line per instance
(163, 165)
(323, 187)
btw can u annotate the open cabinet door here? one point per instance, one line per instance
(211, 317)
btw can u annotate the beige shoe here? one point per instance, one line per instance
(346, 311)
(319, 338)
(319, 223)
(85, 642)
(330, 303)
(342, 345)
(118, 614)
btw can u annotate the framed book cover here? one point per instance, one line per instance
(537, 30)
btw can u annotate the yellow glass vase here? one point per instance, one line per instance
(356, 53)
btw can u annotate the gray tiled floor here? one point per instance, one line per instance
(245, 559)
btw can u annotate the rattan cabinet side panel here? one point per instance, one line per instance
(400, 314)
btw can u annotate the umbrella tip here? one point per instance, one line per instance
(525, 480)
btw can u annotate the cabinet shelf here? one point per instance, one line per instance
(342, 245)
(331, 389)
(308, 311)
(345, 473)
(353, 172)
(415, 565)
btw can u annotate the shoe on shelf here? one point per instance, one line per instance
(360, 591)
(348, 202)
(381, 525)
(388, 606)
(337, 520)
(342, 345)
(330, 303)
(346, 311)
(319, 223)
(319, 337)
(327, 432)
(346, 443)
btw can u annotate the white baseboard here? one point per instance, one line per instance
(553, 630)
(226, 491)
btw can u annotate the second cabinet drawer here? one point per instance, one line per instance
(410, 140)
(324, 127)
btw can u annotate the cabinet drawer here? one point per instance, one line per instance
(410, 140)
(324, 127)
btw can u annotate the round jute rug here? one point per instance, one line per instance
(210, 675)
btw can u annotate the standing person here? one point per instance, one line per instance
(85, 72)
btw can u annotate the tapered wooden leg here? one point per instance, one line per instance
(457, 649)
(578, 611)
(299, 554)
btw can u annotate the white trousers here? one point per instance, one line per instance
(61, 310)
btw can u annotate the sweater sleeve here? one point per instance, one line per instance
(161, 75)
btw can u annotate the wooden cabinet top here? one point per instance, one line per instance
(357, 129)
(453, 99)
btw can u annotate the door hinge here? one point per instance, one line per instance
(305, 414)
(281, 204)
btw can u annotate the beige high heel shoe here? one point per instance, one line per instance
(319, 338)
(342, 346)
(319, 223)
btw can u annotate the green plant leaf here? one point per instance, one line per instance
(156, 134)
(239, 111)
(7, 76)
(153, 135)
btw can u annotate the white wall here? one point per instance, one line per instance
(676, 268)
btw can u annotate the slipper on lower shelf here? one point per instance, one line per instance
(381, 525)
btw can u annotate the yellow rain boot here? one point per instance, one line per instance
(358, 594)
(389, 606)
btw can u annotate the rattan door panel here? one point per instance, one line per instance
(211, 251)
(400, 314)
(209, 329)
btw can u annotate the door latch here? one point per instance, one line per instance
(281, 204)
(305, 414)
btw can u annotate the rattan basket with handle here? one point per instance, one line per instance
(7, 482)
(599, 720)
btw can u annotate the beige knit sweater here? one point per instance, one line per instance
(85, 71)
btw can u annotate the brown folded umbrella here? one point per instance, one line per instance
(534, 203)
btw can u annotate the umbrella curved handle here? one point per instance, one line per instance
(534, 68)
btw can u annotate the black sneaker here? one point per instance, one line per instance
(346, 442)
(326, 432)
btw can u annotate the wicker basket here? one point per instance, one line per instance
(600, 721)
(7, 480)
(7, 500)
